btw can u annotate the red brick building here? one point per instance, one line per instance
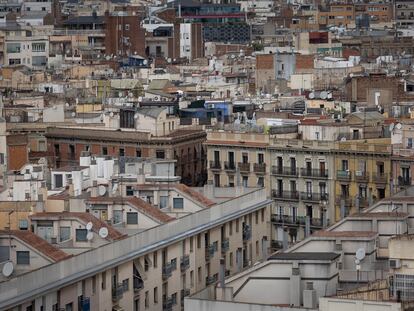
(186, 146)
(124, 35)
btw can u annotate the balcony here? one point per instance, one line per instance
(314, 173)
(229, 166)
(117, 292)
(403, 182)
(225, 245)
(215, 165)
(138, 284)
(259, 168)
(380, 178)
(210, 250)
(344, 175)
(313, 197)
(184, 293)
(362, 176)
(347, 201)
(276, 245)
(167, 304)
(247, 233)
(210, 280)
(185, 263)
(285, 195)
(167, 270)
(288, 220)
(363, 202)
(285, 171)
(244, 167)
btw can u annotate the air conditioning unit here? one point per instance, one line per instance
(395, 263)
(53, 240)
(359, 173)
(339, 265)
(338, 246)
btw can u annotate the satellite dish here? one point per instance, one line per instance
(324, 95)
(311, 95)
(360, 254)
(398, 126)
(73, 114)
(391, 127)
(343, 139)
(103, 232)
(89, 226)
(8, 269)
(101, 190)
(89, 236)
(136, 116)
(111, 114)
(329, 95)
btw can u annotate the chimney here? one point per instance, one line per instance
(71, 188)
(94, 189)
(309, 296)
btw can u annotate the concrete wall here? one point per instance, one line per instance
(335, 304)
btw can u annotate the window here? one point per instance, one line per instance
(23, 257)
(121, 152)
(138, 153)
(117, 218)
(245, 181)
(237, 225)
(163, 201)
(174, 298)
(256, 216)
(146, 299)
(198, 240)
(263, 214)
(64, 233)
(146, 263)
(174, 263)
(231, 228)
(155, 259)
(129, 191)
(127, 27)
(192, 278)
(217, 180)
(160, 154)
(231, 259)
(260, 181)
(132, 218)
(410, 143)
(125, 285)
(178, 203)
(155, 294)
(199, 274)
(81, 235)
(4, 253)
(104, 150)
(23, 224)
(257, 248)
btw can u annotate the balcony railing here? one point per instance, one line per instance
(167, 270)
(404, 182)
(286, 195)
(184, 293)
(210, 280)
(117, 292)
(225, 245)
(185, 263)
(380, 178)
(276, 245)
(138, 284)
(285, 171)
(215, 165)
(259, 168)
(288, 220)
(361, 176)
(244, 167)
(210, 250)
(363, 202)
(315, 173)
(313, 197)
(229, 166)
(347, 201)
(344, 175)
(167, 304)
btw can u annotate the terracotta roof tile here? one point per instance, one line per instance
(380, 215)
(113, 234)
(140, 204)
(194, 194)
(344, 234)
(36, 242)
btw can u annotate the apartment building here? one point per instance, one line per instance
(298, 175)
(185, 146)
(154, 269)
(404, 13)
(363, 172)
